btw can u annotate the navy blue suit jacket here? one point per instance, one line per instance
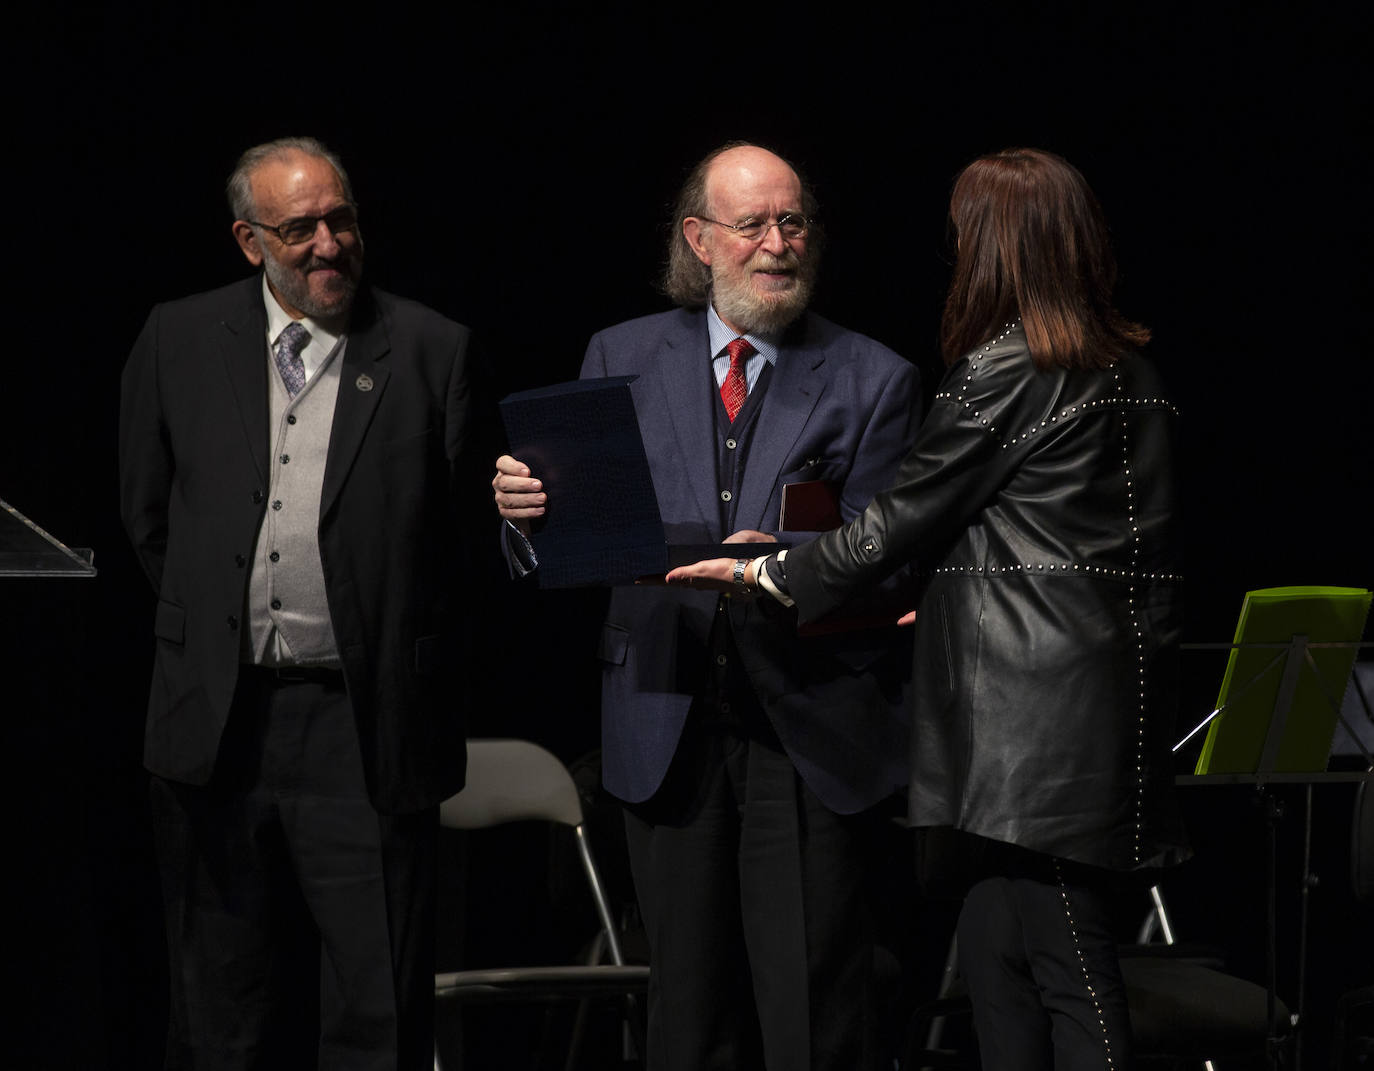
(841, 408)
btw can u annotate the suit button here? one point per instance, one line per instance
(276, 504)
(276, 604)
(257, 497)
(240, 560)
(274, 556)
(232, 622)
(286, 459)
(720, 660)
(730, 444)
(725, 496)
(291, 419)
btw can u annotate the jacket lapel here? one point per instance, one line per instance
(362, 381)
(243, 341)
(683, 362)
(799, 379)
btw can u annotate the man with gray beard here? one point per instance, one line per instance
(749, 759)
(296, 477)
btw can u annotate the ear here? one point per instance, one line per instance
(692, 231)
(248, 242)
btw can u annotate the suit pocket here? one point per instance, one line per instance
(615, 644)
(432, 653)
(814, 468)
(169, 622)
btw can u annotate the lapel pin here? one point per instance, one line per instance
(363, 382)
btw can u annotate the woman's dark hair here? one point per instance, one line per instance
(1033, 245)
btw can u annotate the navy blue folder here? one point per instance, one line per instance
(603, 525)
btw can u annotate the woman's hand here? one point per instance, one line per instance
(713, 574)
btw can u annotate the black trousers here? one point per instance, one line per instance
(300, 922)
(1037, 947)
(754, 896)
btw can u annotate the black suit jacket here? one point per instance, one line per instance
(194, 472)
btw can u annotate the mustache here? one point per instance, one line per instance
(316, 263)
(789, 261)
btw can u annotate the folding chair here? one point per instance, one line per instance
(516, 780)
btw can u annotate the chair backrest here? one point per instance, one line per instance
(511, 781)
(517, 780)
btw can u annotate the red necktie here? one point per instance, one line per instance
(736, 387)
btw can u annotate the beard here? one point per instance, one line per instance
(763, 312)
(293, 284)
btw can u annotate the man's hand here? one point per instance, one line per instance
(748, 535)
(519, 496)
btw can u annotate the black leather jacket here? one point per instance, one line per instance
(1040, 508)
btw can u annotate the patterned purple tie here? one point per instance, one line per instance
(735, 388)
(287, 353)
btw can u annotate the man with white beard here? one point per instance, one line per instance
(749, 759)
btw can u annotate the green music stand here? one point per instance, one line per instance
(1275, 718)
(1287, 673)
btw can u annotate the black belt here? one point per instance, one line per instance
(280, 675)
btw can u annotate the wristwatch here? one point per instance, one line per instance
(741, 588)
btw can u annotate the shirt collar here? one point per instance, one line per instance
(322, 339)
(721, 336)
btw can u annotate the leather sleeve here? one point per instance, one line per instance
(959, 462)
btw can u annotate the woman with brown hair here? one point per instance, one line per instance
(1038, 506)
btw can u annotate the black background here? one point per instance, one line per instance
(514, 168)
